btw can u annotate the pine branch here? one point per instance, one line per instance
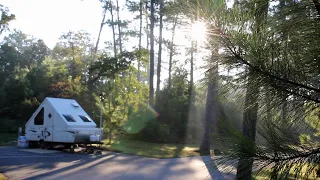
(254, 68)
(257, 69)
(317, 5)
(289, 158)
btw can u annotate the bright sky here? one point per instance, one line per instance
(48, 19)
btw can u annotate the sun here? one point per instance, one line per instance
(199, 31)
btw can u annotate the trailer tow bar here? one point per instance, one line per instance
(93, 149)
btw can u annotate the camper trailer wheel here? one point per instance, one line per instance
(67, 146)
(32, 144)
(89, 150)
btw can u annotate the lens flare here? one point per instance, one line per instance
(138, 120)
(199, 31)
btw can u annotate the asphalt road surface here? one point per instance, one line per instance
(20, 163)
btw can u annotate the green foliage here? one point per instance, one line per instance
(8, 125)
(304, 138)
(8, 139)
(55, 70)
(72, 88)
(171, 123)
(173, 105)
(31, 51)
(109, 67)
(9, 61)
(5, 18)
(139, 119)
(313, 119)
(28, 107)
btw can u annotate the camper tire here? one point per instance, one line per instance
(67, 146)
(33, 144)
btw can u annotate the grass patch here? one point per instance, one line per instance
(262, 175)
(7, 139)
(265, 175)
(154, 150)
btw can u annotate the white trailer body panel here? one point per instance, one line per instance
(61, 120)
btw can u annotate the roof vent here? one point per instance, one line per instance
(75, 104)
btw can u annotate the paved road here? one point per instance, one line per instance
(17, 163)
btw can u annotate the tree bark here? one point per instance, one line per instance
(148, 36)
(100, 30)
(244, 169)
(119, 27)
(113, 29)
(159, 54)
(114, 39)
(151, 90)
(268, 105)
(191, 90)
(171, 53)
(123, 74)
(140, 36)
(211, 111)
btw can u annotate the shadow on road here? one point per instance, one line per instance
(80, 164)
(107, 166)
(219, 168)
(119, 166)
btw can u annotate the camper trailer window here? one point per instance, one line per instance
(69, 118)
(38, 120)
(85, 118)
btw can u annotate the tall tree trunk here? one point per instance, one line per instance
(148, 36)
(159, 54)
(244, 169)
(191, 90)
(119, 26)
(114, 41)
(73, 66)
(101, 27)
(268, 105)
(140, 37)
(113, 29)
(193, 49)
(151, 90)
(211, 111)
(171, 52)
(123, 74)
(285, 38)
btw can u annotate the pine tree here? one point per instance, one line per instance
(161, 13)
(152, 19)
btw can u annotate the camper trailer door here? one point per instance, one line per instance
(38, 125)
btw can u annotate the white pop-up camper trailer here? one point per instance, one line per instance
(62, 121)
